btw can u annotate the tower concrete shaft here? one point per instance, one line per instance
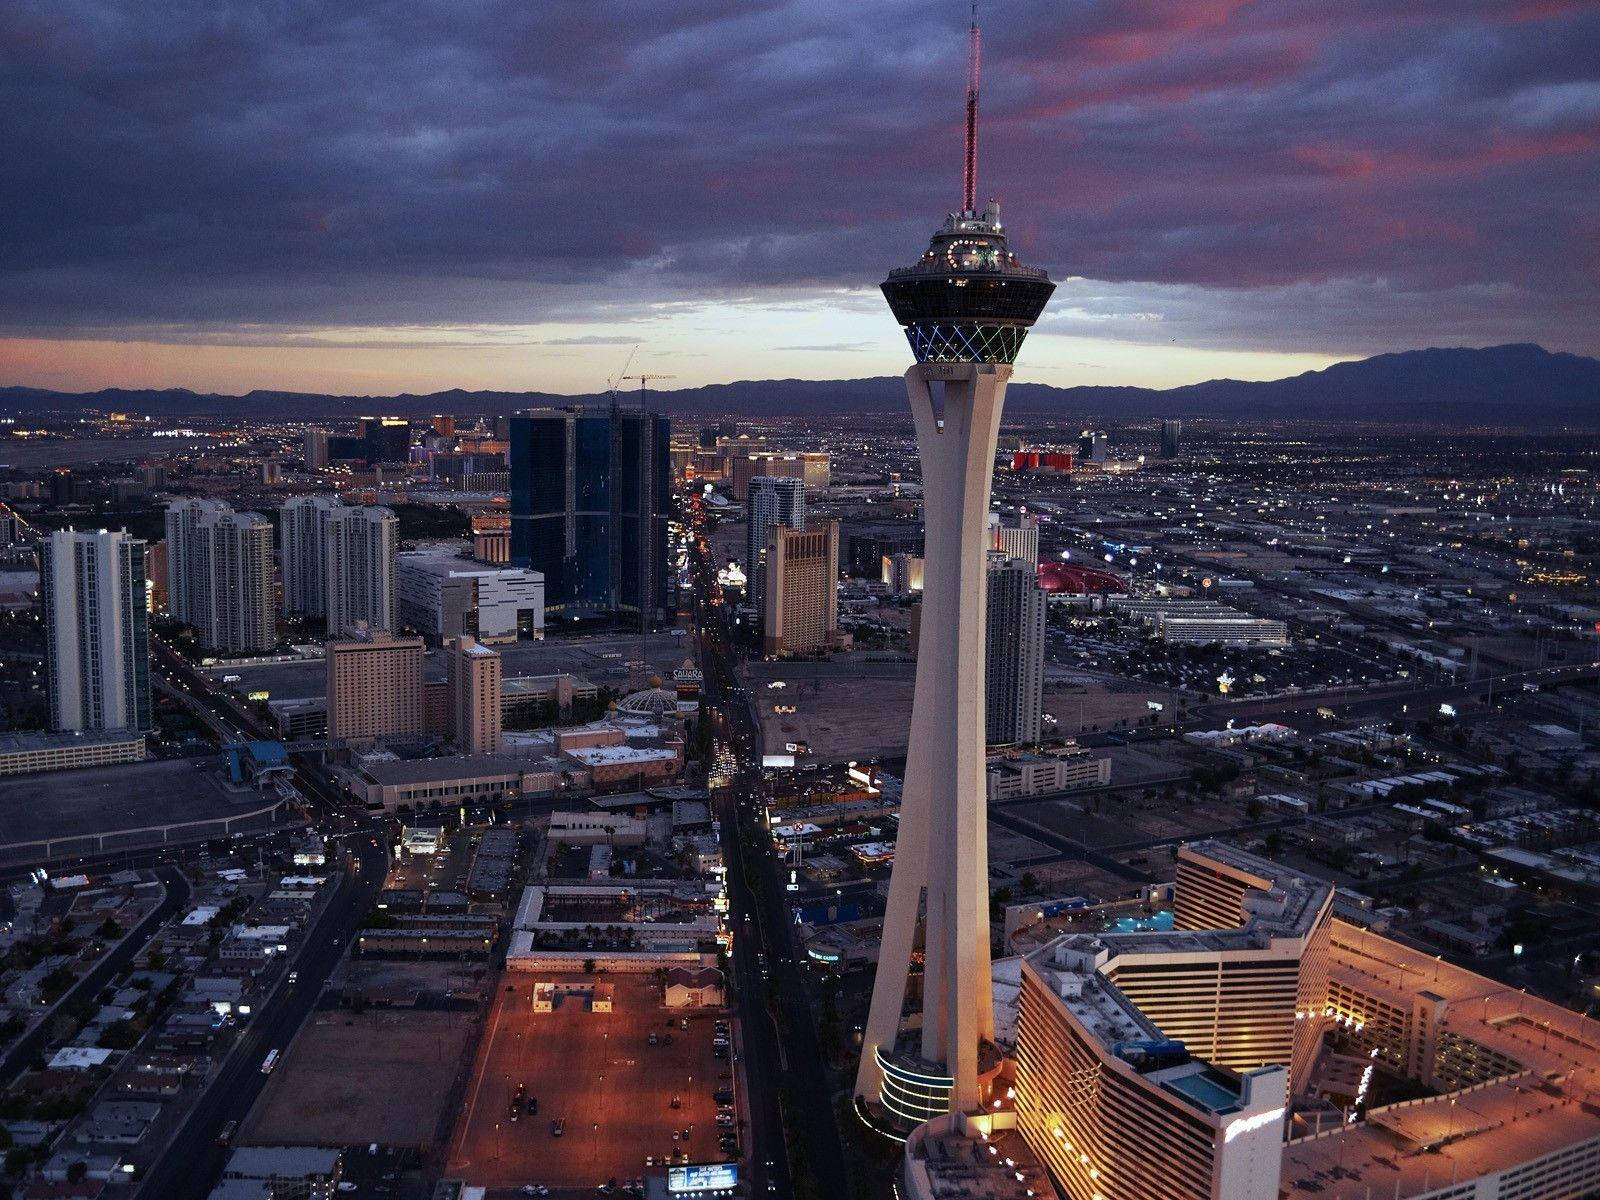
(941, 855)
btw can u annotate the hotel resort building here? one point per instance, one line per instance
(1231, 1057)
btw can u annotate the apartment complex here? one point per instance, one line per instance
(338, 562)
(219, 575)
(303, 549)
(1013, 775)
(375, 687)
(801, 602)
(473, 675)
(187, 563)
(1014, 666)
(359, 562)
(233, 559)
(97, 630)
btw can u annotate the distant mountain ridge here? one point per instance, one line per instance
(1516, 385)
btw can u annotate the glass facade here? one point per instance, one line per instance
(590, 492)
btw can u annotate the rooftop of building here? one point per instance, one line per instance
(1291, 902)
(999, 1167)
(610, 756)
(284, 1162)
(1426, 1145)
(1549, 1104)
(14, 743)
(393, 771)
(132, 795)
(653, 701)
(446, 563)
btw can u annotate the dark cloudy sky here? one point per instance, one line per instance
(415, 195)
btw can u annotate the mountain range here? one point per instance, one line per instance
(1517, 385)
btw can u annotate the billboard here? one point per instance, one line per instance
(702, 1177)
(777, 760)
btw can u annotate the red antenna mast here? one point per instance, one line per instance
(969, 194)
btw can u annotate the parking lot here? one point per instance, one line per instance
(598, 1075)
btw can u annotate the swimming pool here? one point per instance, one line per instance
(1160, 922)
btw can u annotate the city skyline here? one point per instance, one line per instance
(671, 790)
(1229, 190)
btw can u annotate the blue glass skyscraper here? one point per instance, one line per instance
(590, 493)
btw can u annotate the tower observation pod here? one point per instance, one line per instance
(965, 306)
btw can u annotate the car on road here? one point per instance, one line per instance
(294, 978)
(270, 1061)
(558, 1127)
(225, 1135)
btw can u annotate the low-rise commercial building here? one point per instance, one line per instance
(1015, 775)
(443, 595)
(654, 925)
(595, 829)
(295, 1172)
(391, 783)
(23, 753)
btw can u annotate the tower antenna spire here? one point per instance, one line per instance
(969, 193)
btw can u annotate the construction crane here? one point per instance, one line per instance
(644, 582)
(643, 381)
(611, 384)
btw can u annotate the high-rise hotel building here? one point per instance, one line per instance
(1014, 658)
(360, 568)
(771, 501)
(304, 549)
(473, 672)
(1159, 1066)
(338, 562)
(800, 596)
(1164, 1065)
(590, 495)
(375, 687)
(1015, 539)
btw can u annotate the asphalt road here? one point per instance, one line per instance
(193, 1160)
(766, 989)
(21, 1051)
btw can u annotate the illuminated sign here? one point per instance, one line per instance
(1250, 1124)
(777, 760)
(702, 1177)
(259, 695)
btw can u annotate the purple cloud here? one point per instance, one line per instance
(1326, 174)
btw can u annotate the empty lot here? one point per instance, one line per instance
(379, 1076)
